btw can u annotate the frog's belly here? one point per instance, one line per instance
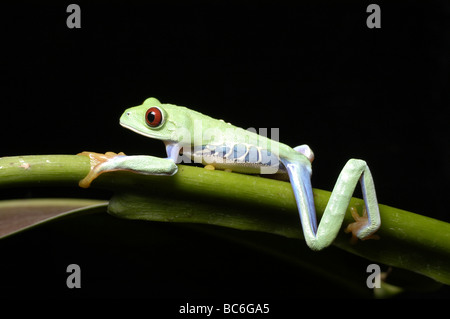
(243, 167)
(242, 158)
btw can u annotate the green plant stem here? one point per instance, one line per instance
(195, 195)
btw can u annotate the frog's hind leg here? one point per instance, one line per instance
(358, 225)
(319, 237)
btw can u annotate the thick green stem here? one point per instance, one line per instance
(45, 170)
(196, 195)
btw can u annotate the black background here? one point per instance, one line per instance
(312, 69)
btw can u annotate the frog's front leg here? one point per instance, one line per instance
(110, 161)
(320, 237)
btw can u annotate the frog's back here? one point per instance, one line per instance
(226, 146)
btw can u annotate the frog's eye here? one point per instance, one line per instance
(153, 117)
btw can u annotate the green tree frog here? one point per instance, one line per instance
(191, 136)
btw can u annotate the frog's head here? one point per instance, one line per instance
(165, 122)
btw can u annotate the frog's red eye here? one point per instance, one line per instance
(153, 117)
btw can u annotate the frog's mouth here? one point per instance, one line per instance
(151, 134)
(135, 130)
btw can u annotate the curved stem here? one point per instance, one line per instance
(407, 240)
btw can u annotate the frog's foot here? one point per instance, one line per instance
(359, 223)
(97, 161)
(212, 168)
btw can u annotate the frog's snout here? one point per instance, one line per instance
(126, 116)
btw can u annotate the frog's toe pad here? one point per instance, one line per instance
(360, 223)
(96, 161)
(98, 158)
